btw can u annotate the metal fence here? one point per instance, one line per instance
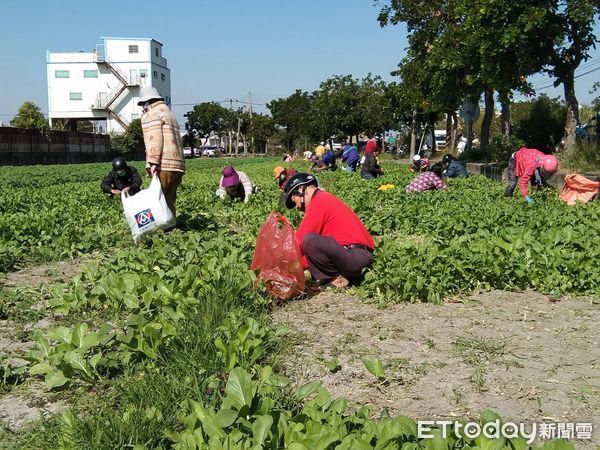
(23, 146)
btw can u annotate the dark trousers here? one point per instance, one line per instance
(327, 259)
(512, 178)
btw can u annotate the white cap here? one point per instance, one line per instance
(148, 93)
(417, 158)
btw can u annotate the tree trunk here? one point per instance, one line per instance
(454, 129)
(413, 135)
(572, 111)
(449, 138)
(433, 142)
(487, 122)
(505, 117)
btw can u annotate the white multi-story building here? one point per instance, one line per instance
(103, 85)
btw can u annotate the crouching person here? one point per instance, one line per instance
(235, 185)
(335, 245)
(123, 178)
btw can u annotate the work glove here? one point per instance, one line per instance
(528, 199)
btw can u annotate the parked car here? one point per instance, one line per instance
(189, 152)
(211, 151)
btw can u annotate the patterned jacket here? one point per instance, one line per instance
(162, 139)
(425, 181)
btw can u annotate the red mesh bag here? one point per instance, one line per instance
(277, 258)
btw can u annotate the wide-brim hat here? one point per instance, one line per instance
(148, 93)
(230, 177)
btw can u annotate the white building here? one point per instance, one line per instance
(103, 85)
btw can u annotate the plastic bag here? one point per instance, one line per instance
(147, 211)
(277, 257)
(578, 188)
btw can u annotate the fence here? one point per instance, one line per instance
(21, 147)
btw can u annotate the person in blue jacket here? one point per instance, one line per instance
(350, 156)
(453, 168)
(328, 161)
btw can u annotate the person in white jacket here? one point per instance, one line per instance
(235, 185)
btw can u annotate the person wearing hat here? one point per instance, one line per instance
(529, 165)
(122, 178)
(335, 245)
(419, 164)
(453, 168)
(164, 152)
(235, 185)
(282, 175)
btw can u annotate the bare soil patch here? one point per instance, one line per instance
(528, 357)
(43, 274)
(24, 403)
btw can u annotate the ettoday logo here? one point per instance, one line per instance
(509, 430)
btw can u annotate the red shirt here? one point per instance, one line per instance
(327, 215)
(525, 164)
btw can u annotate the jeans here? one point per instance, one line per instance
(512, 178)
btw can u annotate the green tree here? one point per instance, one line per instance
(576, 20)
(208, 117)
(539, 123)
(260, 129)
(460, 49)
(292, 113)
(29, 116)
(129, 141)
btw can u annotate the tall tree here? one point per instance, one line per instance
(292, 113)
(261, 128)
(29, 116)
(576, 19)
(209, 117)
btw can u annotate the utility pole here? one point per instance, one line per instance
(250, 112)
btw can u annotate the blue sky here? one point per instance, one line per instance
(216, 49)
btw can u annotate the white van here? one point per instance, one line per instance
(440, 138)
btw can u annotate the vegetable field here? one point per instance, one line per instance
(168, 345)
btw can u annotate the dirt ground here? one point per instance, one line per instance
(43, 274)
(25, 403)
(528, 357)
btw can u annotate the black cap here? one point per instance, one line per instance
(300, 179)
(447, 158)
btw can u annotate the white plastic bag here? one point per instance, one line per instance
(147, 211)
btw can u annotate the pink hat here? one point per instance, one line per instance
(549, 163)
(230, 177)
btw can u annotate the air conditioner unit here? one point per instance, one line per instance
(143, 75)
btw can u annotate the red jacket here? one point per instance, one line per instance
(327, 215)
(525, 165)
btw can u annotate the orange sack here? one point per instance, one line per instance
(578, 188)
(277, 257)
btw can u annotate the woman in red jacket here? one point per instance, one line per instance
(529, 164)
(334, 243)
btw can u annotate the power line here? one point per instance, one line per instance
(219, 101)
(576, 76)
(545, 85)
